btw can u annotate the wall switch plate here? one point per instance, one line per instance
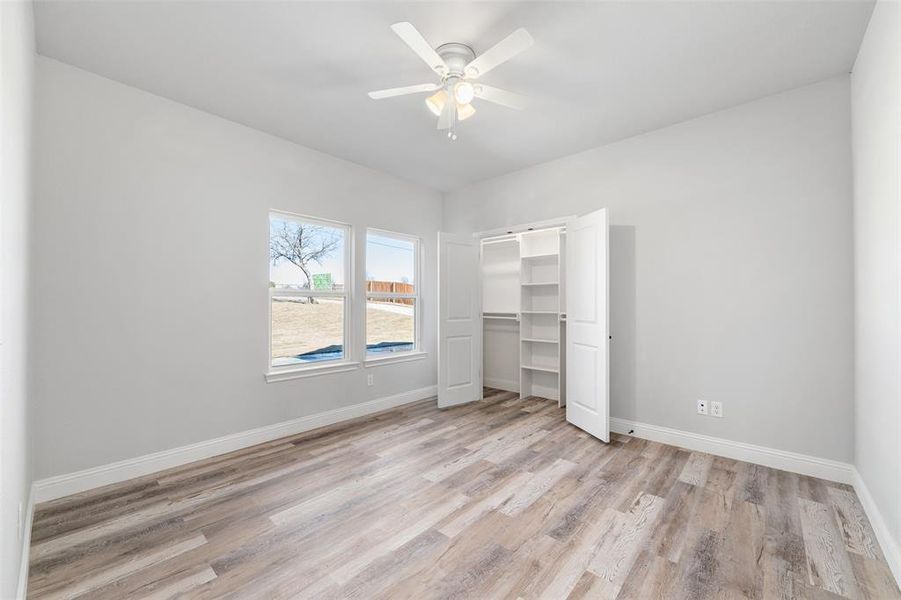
(716, 409)
(702, 407)
(370, 380)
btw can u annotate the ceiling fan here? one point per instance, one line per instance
(459, 69)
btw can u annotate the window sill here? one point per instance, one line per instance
(310, 371)
(390, 360)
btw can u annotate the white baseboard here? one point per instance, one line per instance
(501, 384)
(890, 546)
(22, 588)
(769, 457)
(52, 488)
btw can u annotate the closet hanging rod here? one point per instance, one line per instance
(501, 316)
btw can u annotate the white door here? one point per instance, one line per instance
(587, 354)
(459, 322)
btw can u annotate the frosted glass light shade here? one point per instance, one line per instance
(436, 102)
(464, 111)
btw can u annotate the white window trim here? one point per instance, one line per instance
(400, 357)
(416, 353)
(312, 370)
(347, 362)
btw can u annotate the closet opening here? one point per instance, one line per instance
(522, 280)
(526, 310)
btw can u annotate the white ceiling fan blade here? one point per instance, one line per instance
(446, 119)
(403, 91)
(499, 96)
(500, 53)
(414, 40)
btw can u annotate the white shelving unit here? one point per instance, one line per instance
(541, 302)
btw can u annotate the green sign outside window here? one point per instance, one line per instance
(322, 281)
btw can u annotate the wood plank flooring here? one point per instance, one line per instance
(497, 499)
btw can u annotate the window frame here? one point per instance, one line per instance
(348, 361)
(416, 296)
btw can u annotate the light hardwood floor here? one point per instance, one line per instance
(498, 499)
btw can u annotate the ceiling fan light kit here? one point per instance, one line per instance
(457, 65)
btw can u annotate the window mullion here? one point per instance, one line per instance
(389, 295)
(306, 293)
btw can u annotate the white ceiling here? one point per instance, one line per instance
(598, 72)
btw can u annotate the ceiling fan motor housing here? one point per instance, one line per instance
(456, 56)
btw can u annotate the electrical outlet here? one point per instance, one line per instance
(370, 380)
(702, 407)
(716, 409)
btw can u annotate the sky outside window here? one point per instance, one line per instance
(390, 259)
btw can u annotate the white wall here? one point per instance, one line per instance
(16, 71)
(730, 265)
(150, 262)
(875, 103)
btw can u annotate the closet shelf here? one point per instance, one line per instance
(540, 341)
(540, 312)
(541, 256)
(505, 240)
(539, 283)
(543, 369)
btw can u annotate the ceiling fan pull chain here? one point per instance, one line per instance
(452, 134)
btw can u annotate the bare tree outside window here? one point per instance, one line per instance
(302, 245)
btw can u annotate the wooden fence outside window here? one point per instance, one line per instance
(393, 287)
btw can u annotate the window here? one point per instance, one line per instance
(392, 293)
(308, 291)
